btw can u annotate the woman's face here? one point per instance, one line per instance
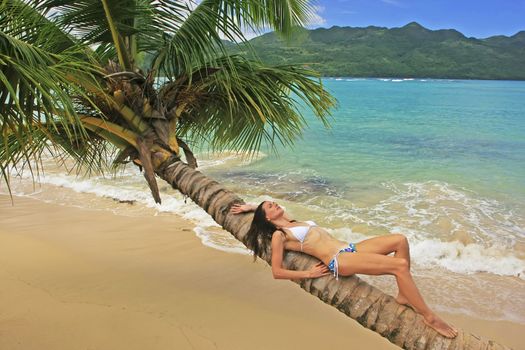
(272, 210)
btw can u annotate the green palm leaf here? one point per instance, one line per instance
(90, 155)
(199, 36)
(23, 21)
(60, 82)
(37, 97)
(257, 105)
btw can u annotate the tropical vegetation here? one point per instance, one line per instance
(411, 51)
(74, 81)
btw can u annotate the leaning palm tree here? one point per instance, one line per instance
(111, 82)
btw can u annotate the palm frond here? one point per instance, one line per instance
(118, 40)
(180, 36)
(190, 37)
(195, 38)
(282, 16)
(37, 96)
(86, 19)
(257, 106)
(35, 84)
(22, 20)
(26, 151)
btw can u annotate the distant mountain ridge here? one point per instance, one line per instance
(411, 51)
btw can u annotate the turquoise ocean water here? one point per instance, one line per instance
(442, 158)
(442, 161)
(465, 133)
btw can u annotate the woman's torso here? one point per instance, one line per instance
(317, 242)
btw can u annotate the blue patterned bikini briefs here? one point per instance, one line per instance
(333, 265)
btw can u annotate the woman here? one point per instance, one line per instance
(271, 224)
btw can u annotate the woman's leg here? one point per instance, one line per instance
(395, 243)
(385, 245)
(378, 264)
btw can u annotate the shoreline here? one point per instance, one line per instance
(416, 77)
(77, 278)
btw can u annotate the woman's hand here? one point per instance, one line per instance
(318, 270)
(241, 208)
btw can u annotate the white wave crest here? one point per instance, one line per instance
(221, 240)
(466, 259)
(228, 158)
(434, 216)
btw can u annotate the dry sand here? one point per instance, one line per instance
(74, 278)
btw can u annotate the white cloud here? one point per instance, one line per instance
(319, 8)
(393, 3)
(192, 4)
(316, 19)
(250, 34)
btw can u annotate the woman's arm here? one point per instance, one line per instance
(242, 208)
(278, 272)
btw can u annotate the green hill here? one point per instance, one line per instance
(409, 51)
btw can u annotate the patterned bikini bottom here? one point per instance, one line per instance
(333, 265)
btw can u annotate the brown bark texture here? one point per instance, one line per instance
(357, 299)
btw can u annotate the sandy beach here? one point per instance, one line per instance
(73, 278)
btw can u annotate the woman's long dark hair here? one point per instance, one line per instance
(259, 236)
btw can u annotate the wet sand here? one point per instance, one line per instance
(73, 278)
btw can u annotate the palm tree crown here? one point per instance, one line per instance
(138, 80)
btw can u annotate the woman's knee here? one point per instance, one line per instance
(401, 266)
(401, 239)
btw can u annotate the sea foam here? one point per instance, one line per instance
(424, 204)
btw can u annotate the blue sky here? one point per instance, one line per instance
(480, 19)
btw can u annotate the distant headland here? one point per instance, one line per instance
(411, 51)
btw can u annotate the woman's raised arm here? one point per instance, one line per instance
(242, 208)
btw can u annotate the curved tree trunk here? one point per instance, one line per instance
(364, 303)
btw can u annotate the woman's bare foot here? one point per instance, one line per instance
(443, 328)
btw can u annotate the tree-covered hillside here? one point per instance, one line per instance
(409, 51)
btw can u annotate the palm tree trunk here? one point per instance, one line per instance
(364, 303)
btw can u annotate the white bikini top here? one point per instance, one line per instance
(300, 232)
